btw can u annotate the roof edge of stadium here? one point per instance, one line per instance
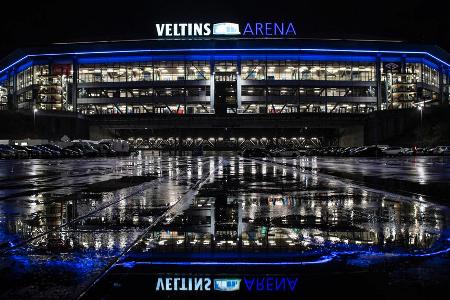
(427, 52)
(225, 38)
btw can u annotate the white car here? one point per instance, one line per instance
(442, 150)
(393, 151)
(285, 153)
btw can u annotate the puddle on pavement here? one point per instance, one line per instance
(249, 211)
(73, 255)
(260, 211)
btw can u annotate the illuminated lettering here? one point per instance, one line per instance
(260, 286)
(266, 29)
(258, 30)
(168, 284)
(160, 285)
(248, 30)
(291, 30)
(183, 29)
(168, 29)
(269, 29)
(270, 284)
(206, 29)
(278, 28)
(160, 29)
(183, 284)
(292, 283)
(280, 284)
(207, 284)
(249, 283)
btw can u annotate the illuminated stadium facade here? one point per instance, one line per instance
(226, 75)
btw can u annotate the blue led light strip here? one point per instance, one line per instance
(231, 50)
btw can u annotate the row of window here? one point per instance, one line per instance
(205, 92)
(247, 109)
(331, 92)
(250, 70)
(145, 92)
(201, 70)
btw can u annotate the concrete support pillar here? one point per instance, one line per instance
(378, 80)
(211, 88)
(13, 75)
(10, 92)
(441, 86)
(239, 88)
(75, 84)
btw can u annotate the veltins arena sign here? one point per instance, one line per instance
(268, 29)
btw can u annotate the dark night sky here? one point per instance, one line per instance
(40, 23)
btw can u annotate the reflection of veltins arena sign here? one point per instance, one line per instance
(251, 284)
(197, 284)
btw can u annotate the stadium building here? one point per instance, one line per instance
(223, 75)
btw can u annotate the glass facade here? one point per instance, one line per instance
(5, 89)
(178, 85)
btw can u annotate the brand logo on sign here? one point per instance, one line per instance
(227, 285)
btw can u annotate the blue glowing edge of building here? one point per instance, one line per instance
(225, 76)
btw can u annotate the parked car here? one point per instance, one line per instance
(371, 151)
(50, 153)
(393, 151)
(103, 149)
(6, 153)
(43, 153)
(17, 153)
(284, 153)
(63, 151)
(441, 150)
(87, 148)
(120, 147)
(78, 152)
(255, 152)
(31, 153)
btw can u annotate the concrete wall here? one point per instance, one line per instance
(44, 125)
(351, 136)
(100, 132)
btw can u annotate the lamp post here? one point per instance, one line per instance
(34, 118)
(420, 108)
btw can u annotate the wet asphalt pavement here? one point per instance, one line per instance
(110, 228)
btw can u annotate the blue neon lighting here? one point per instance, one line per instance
(24, 66)
(321, 260)
(229, 50)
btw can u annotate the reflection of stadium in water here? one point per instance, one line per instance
(283, 210)
(248, 206)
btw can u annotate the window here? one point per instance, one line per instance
(198, 70)
(169, 70)
(282, 70)
(253, 70)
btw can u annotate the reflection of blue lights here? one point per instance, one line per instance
(79, 265)
(321, 260)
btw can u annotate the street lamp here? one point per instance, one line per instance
(420, 108)
(34, 117)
